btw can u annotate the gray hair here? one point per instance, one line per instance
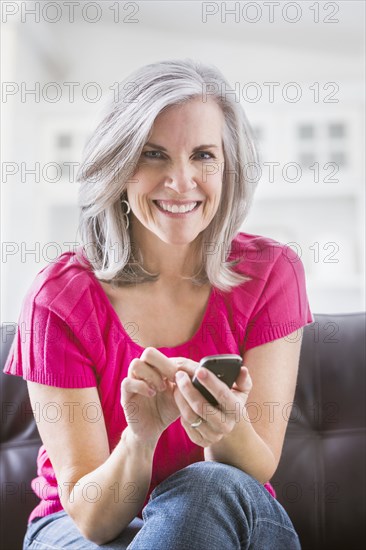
(111, 155)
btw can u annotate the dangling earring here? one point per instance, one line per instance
(126, 213)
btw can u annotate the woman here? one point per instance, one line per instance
(133, 455)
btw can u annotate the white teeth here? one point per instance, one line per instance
(177, 209)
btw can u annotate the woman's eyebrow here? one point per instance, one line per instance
(203, 146)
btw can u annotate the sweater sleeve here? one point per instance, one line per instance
(282, 307)
(47, 349)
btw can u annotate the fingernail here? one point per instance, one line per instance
(179, 375)
(202, 373)
(152, 392)
(162, 386)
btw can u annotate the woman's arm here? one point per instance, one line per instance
(101, 491)
(255, 443)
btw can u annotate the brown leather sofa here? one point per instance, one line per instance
(320, 480)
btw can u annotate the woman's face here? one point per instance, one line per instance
(181, 164)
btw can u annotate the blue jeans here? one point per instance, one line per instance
(207, 505)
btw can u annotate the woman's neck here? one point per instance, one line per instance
(171, 261)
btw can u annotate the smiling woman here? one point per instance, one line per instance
(161, 467)
(173, 195)
(179, 139)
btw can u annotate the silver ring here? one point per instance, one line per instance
(197, 423)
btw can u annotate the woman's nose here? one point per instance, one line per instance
(181, 181)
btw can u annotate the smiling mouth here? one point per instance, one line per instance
(175, 209)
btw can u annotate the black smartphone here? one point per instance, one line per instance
(225, 366)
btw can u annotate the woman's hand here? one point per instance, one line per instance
(147, 395)
(219, 421)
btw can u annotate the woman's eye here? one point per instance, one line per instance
(210, 155)
(152, 154)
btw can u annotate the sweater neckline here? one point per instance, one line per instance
(128, 338)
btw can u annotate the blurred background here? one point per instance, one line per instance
(298, 69)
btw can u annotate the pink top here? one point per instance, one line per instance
(70, 336)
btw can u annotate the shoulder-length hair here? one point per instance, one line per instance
(111, 155)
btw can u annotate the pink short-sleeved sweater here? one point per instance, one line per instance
(70, 336)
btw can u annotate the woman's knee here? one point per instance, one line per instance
(211, 497)
(221, 472)
(209, 478)
(218, 474)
